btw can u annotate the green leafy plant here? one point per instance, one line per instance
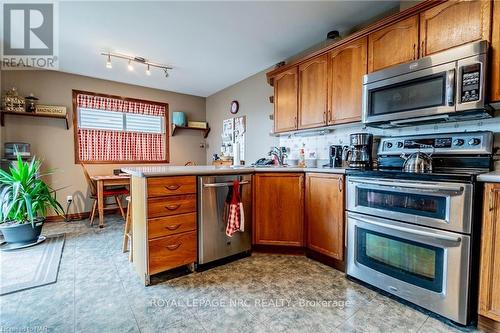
(24, 197)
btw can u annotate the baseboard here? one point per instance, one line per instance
(279, 249)
(488, 325)
(327, 260)
(77, 216)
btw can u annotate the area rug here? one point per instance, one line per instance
(32, 266)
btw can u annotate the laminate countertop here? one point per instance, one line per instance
(167, 170)
(490, 177)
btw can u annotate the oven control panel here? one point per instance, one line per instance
(463, 143)
(470, 81)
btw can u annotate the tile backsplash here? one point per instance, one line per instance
(316, 143)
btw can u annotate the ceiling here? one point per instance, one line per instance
(211, 45)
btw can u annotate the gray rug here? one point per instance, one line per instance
(32, 266)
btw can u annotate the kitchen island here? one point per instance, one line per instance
(165, 210)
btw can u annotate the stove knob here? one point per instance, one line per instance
(400, 144)
(474, 141)
(389, 145)
(458, 142)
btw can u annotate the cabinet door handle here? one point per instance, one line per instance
(324, 117)
(172, 207)
(295, 122)
(173, 227)
(329, 116)
(422, 53)
(173, 247)
(172, 187)
(341, 184)
(414, 51)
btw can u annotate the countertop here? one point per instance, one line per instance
(490, 177)
(158, 171)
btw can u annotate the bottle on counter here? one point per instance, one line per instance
(302, 156)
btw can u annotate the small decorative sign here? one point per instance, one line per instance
(50, 109)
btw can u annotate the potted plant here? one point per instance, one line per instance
(24, 200)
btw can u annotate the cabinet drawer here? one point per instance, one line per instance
(173, 205)
(172, 251)
(171, 225)
(163, 186)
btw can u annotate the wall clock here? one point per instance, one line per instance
(235, 106)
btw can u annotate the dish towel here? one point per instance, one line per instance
(235, 213)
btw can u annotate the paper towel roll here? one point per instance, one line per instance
(236, 154)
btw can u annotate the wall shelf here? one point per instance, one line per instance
(176, 128)
(35, 115)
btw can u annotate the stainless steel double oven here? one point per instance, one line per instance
(416, 235)
(412, 239)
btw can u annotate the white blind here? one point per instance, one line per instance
(143, 123)
(119, 121)
(100, 119)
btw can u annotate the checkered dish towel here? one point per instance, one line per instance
(236, 217)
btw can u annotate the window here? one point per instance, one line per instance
(111, 129)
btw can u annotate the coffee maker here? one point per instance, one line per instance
(359, 153)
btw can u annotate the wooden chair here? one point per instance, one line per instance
(116, 193)
(127, 234)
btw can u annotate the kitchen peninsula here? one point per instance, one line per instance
(166, 203)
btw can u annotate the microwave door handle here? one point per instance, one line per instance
(408, 230)
(450, 87)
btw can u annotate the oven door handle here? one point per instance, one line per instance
(429, 188)
(409, 231)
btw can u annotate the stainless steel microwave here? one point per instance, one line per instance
(447, 86)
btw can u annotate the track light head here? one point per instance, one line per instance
(108, 62)
(148, 71)
(130, 67)
(166, 72)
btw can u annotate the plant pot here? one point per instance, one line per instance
(22, 233)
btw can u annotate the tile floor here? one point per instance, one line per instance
(98, 291)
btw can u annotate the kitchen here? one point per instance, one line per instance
(372, 206)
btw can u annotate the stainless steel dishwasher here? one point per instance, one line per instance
(213, 244)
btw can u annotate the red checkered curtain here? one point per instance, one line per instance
(119, 105)
(97, 145)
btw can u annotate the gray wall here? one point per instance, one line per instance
(253, 96)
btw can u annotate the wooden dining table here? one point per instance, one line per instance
(102, 182)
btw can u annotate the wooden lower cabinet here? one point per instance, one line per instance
(171, 251)
(279, 209)
(489, 286)
(163, 223)
(325, 214)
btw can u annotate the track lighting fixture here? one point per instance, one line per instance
(132, 60)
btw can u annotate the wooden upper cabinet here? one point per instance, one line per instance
(346, 68)
(279, 209)
(313, 83)
(454, 23)
(489, 288)
(285, 100)
(495, 54)
(325, 214)
(394, 44)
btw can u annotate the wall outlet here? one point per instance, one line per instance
(69, 198)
